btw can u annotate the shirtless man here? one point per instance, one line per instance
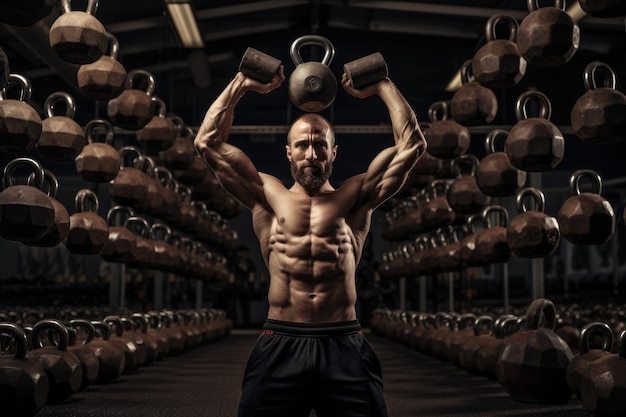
(311, 353)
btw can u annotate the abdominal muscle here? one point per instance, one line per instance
(311, 280)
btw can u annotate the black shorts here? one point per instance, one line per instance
(297, 367)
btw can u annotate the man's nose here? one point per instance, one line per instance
(310, 154)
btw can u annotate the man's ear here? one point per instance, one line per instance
(288, 149)
(334, 154)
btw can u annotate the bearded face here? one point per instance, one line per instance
(311, 174)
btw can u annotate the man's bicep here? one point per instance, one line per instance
(237, 174)
(386, 175)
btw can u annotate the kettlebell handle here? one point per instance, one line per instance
(574, 181)
(590, 73)
(92, 6)
(534, 5)
(490, 28)
(329, 49)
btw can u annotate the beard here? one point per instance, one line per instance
(308, 178)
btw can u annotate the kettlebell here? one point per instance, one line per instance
(78, 37)
(88, 359)
(491, 243)
(446, 138)
(495, 175)
(586, 218)
(98, 161)
(26, 212)
(111, 360)
(160, 132)
(464, 195)
(534, 144)
(533, 362)
(588, 353)
(547, 36)
(88, 231)
(59, 230)
(129, 187)
(473, 104)
(498, 63)
(602, 384)
(105, 78)
(133, 108)
(599, 115)
(24, 385)
(64, 370)
(532, 233)
(20, 124)
(121, 242)
(312, 86)
(182, 153)
(61, 137)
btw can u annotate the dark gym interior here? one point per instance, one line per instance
(208, 285)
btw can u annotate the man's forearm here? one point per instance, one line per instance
(403, 120)
(219, 118)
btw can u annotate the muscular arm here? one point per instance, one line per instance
(389, 170)
(232, 167)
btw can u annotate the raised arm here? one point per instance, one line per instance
(232, 167)
(389, 170)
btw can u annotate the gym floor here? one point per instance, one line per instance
(206, 382)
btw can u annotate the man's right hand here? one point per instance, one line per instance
(251, 84)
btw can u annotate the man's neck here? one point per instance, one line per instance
(311, 191)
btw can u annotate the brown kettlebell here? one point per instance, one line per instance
(61, 137)
(128, 346)
(98, 161)
(588, 353)
(599, 115)
(534, 143)
(105, 78)
(64, 370)
(160, 132)
(473, 104)
(88, 359)
(88, 231)
(182, 153)
(133, 108)
(495, 175)
(532, 233)
(111, 361)
(142, 255)
(121, 242)
(437, 211)
(446, 138)
(312, 86)
(20, 124)
(491, 243)
(498, 63)
(464, 195)
(24, 385)
(547, 36)
(78, 37)
(602, 385)
(532, 365)
(130, 185)
(26, 212)
(149, 342)
(61, 227)
(586, 218)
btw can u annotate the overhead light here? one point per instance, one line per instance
(183, 17)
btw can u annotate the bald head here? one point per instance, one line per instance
(317, 122)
